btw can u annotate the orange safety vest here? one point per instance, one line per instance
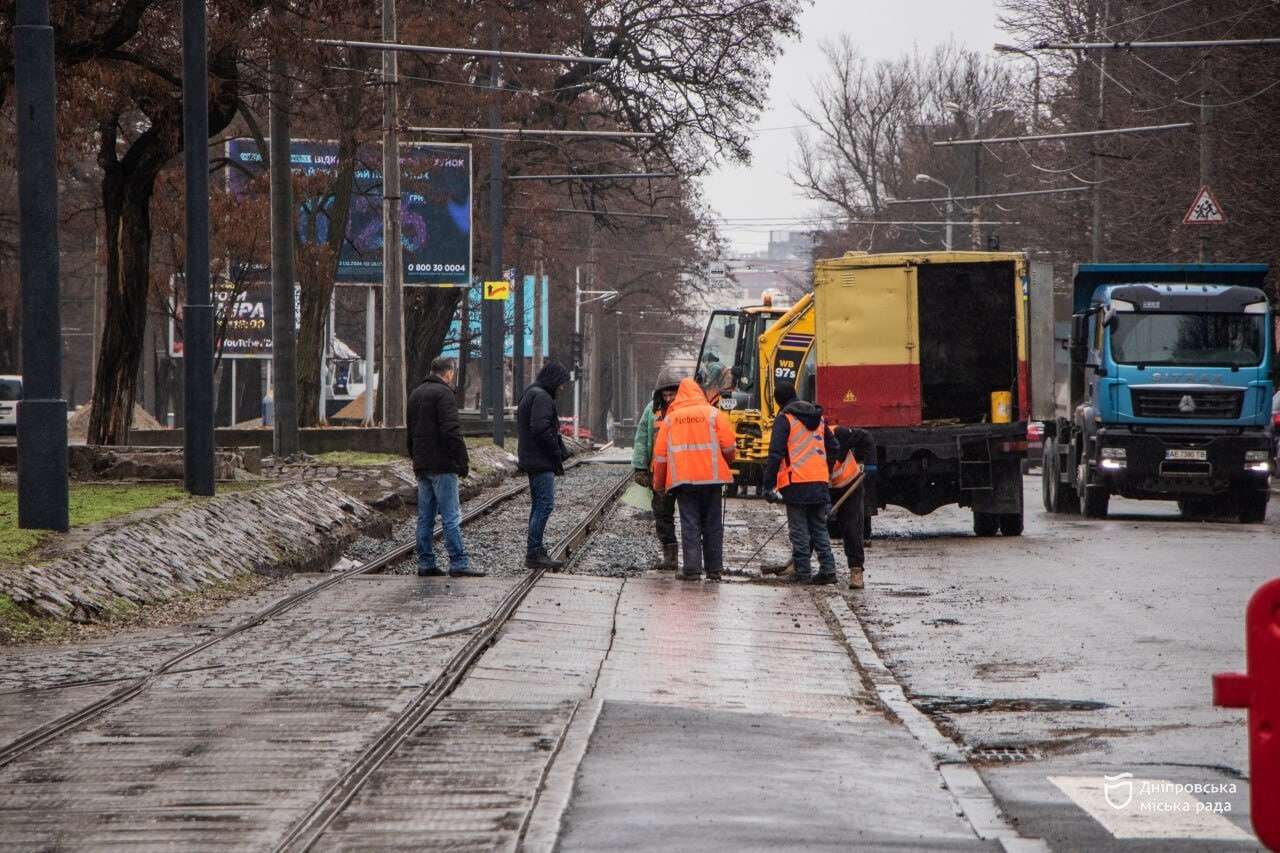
(844, 472)
(688, 451)
(806, 459)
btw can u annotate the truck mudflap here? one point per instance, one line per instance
(1146, 462)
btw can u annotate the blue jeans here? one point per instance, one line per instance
(542, 499)
(438, 493)
(807, 527)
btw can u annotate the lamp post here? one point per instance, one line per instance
(976, 115)
(923, 178)
(1035, 114)
(578, 302)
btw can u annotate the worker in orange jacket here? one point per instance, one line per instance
(691, 457)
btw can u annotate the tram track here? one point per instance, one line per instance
(134, 686)
(308, 830)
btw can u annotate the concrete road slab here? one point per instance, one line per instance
(660, 777)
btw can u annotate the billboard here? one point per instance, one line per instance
(435, 206)
(241, 316)
(476, 301)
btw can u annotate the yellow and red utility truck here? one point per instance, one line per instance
(929, 352)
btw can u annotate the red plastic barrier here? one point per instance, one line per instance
(1259, 691)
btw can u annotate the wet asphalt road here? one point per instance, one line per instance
(1083, 648)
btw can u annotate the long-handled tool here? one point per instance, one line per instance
(853, 487)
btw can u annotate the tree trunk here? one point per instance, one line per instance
(126, 200)
(429, 311)
(318, 263)
(10, 336)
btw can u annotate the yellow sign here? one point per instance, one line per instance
(498, 291)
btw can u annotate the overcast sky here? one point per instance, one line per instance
(881, 29)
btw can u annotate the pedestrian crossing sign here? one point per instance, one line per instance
(497, 291)
(1205, 210)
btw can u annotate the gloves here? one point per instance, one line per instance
(642, 478)
(773, 496)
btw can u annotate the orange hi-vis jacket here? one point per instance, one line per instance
(695, 442)
(844, 472)
(806, 460)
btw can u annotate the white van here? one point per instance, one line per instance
(10, 394)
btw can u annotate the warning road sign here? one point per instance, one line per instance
(498, 290)
(1205, 210)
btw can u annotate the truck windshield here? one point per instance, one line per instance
(721, 343)
(1206, 339)
(10, 389)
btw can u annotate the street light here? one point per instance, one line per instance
(975, 114)
(923, 178)
(578, 302)
(1035, 115)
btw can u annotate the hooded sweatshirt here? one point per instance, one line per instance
(689, 417)
(540, 447)
(810, 416)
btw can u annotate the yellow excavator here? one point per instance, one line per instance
(732, 340)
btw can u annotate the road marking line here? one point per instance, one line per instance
(965, 785)
(1151, 808)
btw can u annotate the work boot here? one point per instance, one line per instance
(855, 577)
(777, 568)
(467, 572)
(799, 577)
(540, 559)
(689, 576)
(429, 572)
(823, 578)
(713, 574)
(670, 559)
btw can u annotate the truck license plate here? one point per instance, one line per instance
(1199, 455)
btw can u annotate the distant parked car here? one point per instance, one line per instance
(1035, 446)
(10, 394)
(566, 428)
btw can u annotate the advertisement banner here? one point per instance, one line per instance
(535, 299)
(241, 317)
(435, 206)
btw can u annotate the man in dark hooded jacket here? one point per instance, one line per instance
(801, 453)
(540, 454)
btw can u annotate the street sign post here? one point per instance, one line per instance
(1204, 210)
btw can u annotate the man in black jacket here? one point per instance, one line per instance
(439, 457)
(807, 487)
(541, 454)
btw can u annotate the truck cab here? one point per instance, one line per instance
(1170, 389)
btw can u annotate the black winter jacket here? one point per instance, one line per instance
(540, 448)
(798, 493)
(435, 434)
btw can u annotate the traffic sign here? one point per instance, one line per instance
(498, 290)
(1205, 210)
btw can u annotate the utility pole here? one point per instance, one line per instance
(42, 417)
(1096, 229)
(493, 309)
(517, 328)
(284, 345)
(1206, 153)
(392, 379)
(197, 318)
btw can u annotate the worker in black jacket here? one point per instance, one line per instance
(540, 454)
(850, 521)
(798, 473)
(439, 457)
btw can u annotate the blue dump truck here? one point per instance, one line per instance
(1170, 391)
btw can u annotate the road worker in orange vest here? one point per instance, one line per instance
(856, 452)
(801, 453)
(691, 457)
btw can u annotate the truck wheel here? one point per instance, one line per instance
(1093, 501)
(1253, 507)
(985, 523)
(1011, 524)
(1195, 507)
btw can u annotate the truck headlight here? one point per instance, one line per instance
(1114, 453)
